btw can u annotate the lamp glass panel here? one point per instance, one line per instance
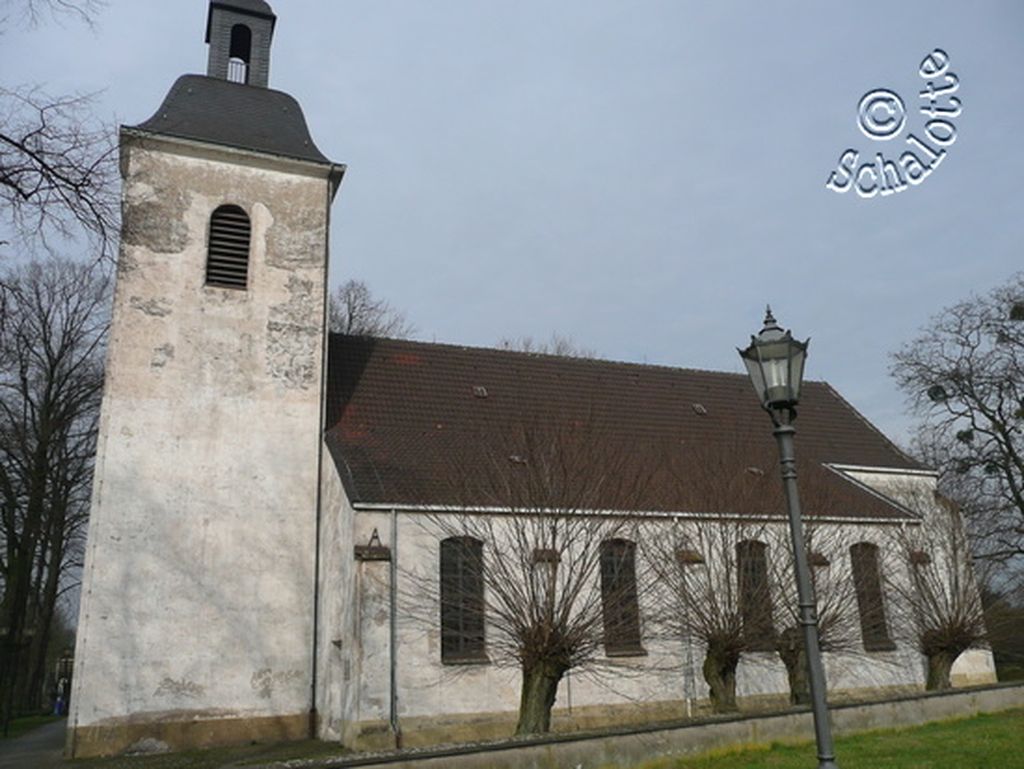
(796, 369)
(754, 370)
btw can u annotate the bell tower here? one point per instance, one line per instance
(196, 619)
(239, 33)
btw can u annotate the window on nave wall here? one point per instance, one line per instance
(621, 611)
(755, 600)
(462, 600)
(867, 582)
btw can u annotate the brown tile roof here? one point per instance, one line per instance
(410, 422)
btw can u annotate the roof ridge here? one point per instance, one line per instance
(581, 360)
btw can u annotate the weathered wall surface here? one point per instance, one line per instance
(442, 702)
(197, 593)
(916, 492)
(337, 647)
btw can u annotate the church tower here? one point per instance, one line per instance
(197, 612)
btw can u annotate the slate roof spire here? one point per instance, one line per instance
(239, 33)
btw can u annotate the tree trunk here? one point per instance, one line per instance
(540, 685)
(794, 657)
(720, 673)
(939, 665)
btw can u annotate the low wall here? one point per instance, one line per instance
(628, 747)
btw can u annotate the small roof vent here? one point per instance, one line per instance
(479, 391)
(700, 409)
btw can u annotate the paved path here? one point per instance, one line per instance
(39, 749)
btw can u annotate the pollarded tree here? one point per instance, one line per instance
(938, 601)
(544, 575)
(715, 592)
(964, 376)
(713, 570)
(836, 600)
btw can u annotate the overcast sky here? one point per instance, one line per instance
(642, 176)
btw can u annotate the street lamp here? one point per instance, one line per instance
(775, 362)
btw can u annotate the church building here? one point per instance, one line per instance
(267, 540)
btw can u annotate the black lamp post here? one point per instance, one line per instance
(775, 362)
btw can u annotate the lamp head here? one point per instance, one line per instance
(775, 363)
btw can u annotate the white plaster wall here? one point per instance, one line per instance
(426, 687)
(916, 492)
(197, 590)
(337, 649)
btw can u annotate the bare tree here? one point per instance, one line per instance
(1004, 620)
(964, 376)
(707, 598)
(938, 601)
(58, 166)
(355, 311)
(563, 346)
(546, 577)
(836, 600)
(713, 569)
(51, 375)
(33, 12)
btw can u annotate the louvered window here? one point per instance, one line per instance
(227, 260)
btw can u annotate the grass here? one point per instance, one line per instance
(25, 724)
(990, 741)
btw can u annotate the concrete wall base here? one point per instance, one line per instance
(627, 748)
(449, 729)
(172, 732)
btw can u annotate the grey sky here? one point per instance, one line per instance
(641, 175)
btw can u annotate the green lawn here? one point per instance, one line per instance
(983, 742)
(19, 726)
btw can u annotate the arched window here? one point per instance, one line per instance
(867, 582)
(227, 258)
(239, 54)
(755, 595)
(621, 612)
(462, 600)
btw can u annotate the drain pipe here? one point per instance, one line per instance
(396, 728)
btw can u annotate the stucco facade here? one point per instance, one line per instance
(200, 564)
(260, 531)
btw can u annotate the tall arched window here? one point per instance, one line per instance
(755, 595)
(239, 54)
(867, 582)
(462, 600)
(227, 258)
(621, 611)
